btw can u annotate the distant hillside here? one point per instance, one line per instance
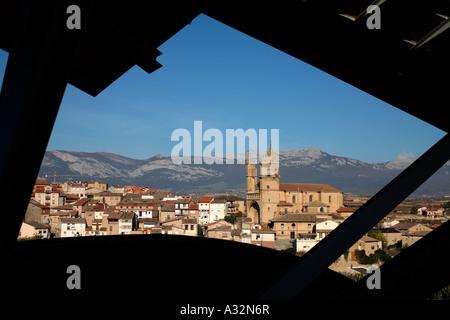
(308, 165)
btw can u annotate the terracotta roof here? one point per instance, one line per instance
(189, 220)
(114, 215)
(127, 215)
(73, 220)
(220, 228)
(168, 207)
(37, 225)
(205, 199)
(284, 203)
(193, 207)
(218, 201)
(417, 233)
(369, 239)
(41, 182)
(307, 187)
(36, 203)
(344, 209)
(389, 230)
(263, 230)
(404, 225)
(64, 207)
(108, 194)
(81, 202)
(99, 207)
(183, 200)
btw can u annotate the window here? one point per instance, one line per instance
(329, 199)
(258, 237)
(310, 198)
(282, 226)
(293, 199)
(268, 171)
(293, 225)
(192, 227)
(186, 227)
(285, 210)
(309, 225)
(268, 187)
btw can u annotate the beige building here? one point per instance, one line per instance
(76, 188)
(262, 236)
(392, 235)
(98, 184)
(345, 212)
(366, 243)
(267, 198)
(410, 238)
(109, 198)
(167, 212)
(31, 228)
(204, 204)
(223, 232)
(81, 205)
(184, 226)
(112, 221)
(73, 227)
(289, 226)
(37, 212)
(218, 209)
(324, 228)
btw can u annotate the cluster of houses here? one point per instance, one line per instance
(72, 209)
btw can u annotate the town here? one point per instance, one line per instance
(292, 217)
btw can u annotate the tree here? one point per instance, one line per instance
(199, 231)
(231, 218)
(413, 209)
(376, 234)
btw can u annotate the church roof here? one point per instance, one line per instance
(295, 217)
(316, 203)
(315, 187)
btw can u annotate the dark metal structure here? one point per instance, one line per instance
(405, 63)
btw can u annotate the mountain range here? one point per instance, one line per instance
(308, 165)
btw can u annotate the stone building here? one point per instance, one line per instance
(267, 198)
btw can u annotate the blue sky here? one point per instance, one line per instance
(229, 80)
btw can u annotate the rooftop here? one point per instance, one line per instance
(302, 187)
(295, 217)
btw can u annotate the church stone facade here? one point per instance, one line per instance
(267, 198)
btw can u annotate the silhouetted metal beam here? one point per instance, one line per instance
(322, 255)
(35, 78)
(416, 273)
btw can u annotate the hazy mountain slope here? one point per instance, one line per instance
(308, 165)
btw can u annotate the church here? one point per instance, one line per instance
(267, 198)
